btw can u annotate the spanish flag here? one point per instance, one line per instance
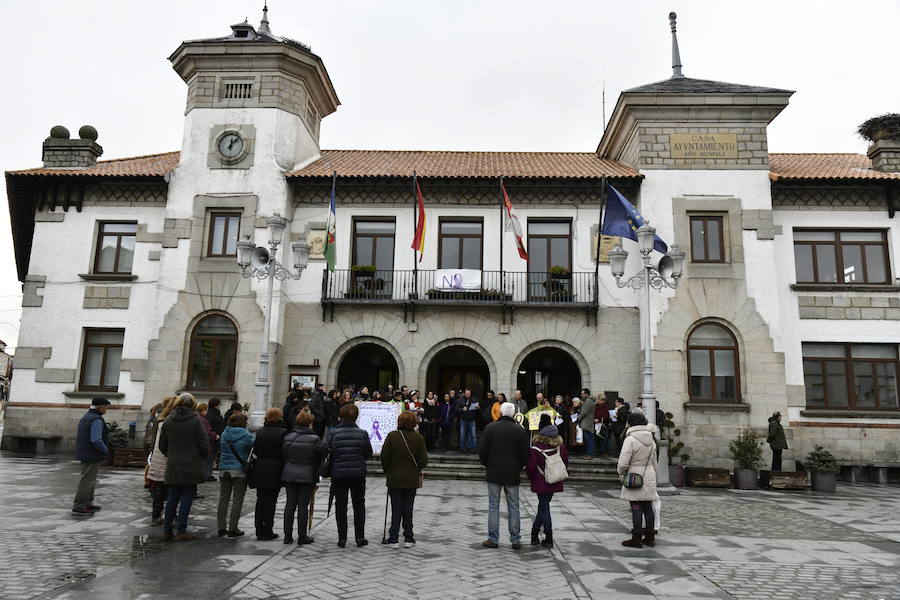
(418, 243)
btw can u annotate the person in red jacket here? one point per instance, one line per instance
(547, 441)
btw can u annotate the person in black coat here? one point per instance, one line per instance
(504, 451)
(317, 408)
(267, 474)
(303, 454)
(349, 448)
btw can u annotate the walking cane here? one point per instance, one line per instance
(384, 531)
(312, 508)
(330, 499)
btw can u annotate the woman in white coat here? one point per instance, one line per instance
(638, 456)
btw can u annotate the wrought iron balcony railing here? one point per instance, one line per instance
(496, 287)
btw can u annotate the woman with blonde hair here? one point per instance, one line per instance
(156, 472)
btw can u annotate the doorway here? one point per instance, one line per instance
(458, 367)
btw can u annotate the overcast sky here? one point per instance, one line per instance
(451, 75)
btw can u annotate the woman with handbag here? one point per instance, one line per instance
(403, 456)
(236, 443)
(544, 445)
(637, 468)
(267, 472)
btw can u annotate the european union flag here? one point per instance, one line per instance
(623, 220)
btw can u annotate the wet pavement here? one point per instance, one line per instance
(712, 544)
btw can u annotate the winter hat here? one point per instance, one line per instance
(549, 431)
(98, 401)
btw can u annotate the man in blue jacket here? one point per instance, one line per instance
(91, 448)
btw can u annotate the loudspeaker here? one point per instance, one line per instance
(666, 267)
(260, 258)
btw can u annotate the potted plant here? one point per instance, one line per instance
(823, 468)
(882, 127)
(677, 473)
(559, 272)
(746, 451)
(362, 276)
(118, 445)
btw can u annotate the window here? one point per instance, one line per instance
(213, 354)
(224, 229)
(100, 359)
(851, 376)
(713, 367)
(707, 243)
(115, 248)
(373, 243)
(238, 90)
(549, 245)
(459, 244)
(851, 256)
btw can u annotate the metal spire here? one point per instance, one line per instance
(264, 24)
(676, 56)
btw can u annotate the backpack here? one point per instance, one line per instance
(554, 468)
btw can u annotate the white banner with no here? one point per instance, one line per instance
(378, 419)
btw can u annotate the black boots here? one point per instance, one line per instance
(535, 540)
(635, 541)
(548, 540)
(649, 538)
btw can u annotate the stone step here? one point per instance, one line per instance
(454, 465)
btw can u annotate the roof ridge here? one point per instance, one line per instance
(109, 160)
(465, 151)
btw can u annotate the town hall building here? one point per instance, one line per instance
(789, 299)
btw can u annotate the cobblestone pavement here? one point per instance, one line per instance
(713, 544)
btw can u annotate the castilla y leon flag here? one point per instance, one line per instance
(513, 220)
(418, 243)
(330, 229)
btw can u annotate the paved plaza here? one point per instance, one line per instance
(713, 544)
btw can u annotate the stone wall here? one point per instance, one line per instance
(607, 354)
(654, 147)
(847, 307)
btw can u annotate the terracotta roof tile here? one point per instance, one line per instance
(787, 167)
(136, 166)
(401, 163)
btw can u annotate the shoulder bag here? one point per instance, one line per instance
(633, 481)
(247, 466)
(415, 462)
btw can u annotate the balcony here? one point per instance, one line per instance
(432, 287)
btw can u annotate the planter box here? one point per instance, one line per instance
(783, 480)
(702, 477)
(677, 475)
(129, 457)
(822, 482)
(746, 479)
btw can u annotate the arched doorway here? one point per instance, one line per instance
(458, 367)
(550, 371)
(370, 365)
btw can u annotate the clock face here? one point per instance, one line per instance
(231, 145)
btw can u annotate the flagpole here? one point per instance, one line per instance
(603, 195)
(415, 188)
(502, 290)
(327, 270)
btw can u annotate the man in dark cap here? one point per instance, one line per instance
(91, 448)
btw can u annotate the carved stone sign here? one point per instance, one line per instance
(703, 145)
(607, 243)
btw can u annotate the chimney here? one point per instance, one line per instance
(884, 133)
(62, 153)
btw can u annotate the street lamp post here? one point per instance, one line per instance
(259, 262)
(666, 274)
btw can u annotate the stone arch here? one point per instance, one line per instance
(577, 356)
(430, 354)
(338, 355)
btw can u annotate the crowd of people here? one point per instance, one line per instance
(315, 436)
